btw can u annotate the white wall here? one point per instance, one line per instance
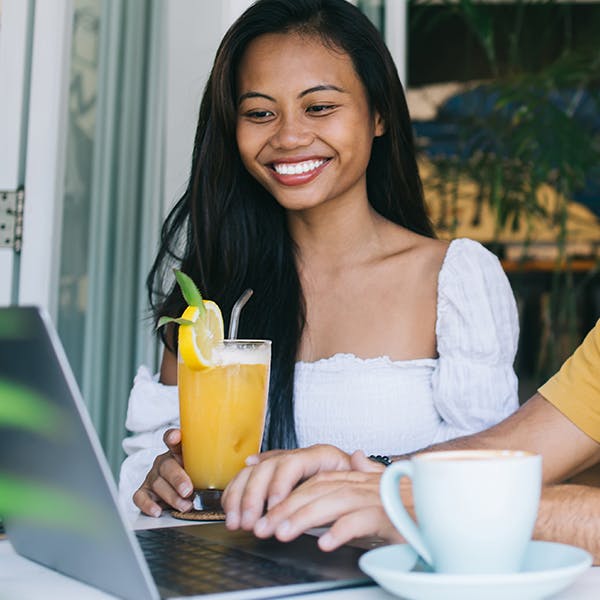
(194, 30)
(15, 18)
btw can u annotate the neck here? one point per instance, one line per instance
(336, 235)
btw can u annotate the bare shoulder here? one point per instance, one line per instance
(428, 253)
(414, 257)
(431, 248)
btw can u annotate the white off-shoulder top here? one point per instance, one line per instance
(379, 405)
(394, 407)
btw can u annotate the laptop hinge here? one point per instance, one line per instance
(11, 218)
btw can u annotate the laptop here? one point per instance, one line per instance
(68, 517)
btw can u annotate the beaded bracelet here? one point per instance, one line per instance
(384, 460)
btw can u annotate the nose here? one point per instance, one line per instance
(292, 132)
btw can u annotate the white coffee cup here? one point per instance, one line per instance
(476, 509)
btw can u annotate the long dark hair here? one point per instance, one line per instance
(228, 233)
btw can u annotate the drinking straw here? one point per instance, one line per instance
(235, 312)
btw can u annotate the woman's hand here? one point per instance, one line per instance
(271, 476)
(348, 499)
(167, 484)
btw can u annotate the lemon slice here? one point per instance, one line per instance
(198, 339)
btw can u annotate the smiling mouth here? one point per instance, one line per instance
(299, 168)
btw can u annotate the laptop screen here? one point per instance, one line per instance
(59, 500)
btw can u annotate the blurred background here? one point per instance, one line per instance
(98, 106)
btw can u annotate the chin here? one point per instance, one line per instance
(297, 205)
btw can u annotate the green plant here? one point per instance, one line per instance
(523, 130)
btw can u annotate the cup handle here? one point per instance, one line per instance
(392, 503)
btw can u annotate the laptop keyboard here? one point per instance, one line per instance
(188, 565)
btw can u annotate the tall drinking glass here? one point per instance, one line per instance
(222, 410)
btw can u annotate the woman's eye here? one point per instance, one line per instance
(258, 115)
(320, 108)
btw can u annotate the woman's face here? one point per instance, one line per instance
(304, 128)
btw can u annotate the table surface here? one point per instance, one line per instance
(23, 579)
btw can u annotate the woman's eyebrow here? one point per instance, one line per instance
(254, 95)
(321, 88)
(316, 88)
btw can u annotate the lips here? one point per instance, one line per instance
(298, 172)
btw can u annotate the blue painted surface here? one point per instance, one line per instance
(445, 136)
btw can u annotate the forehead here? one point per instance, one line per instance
(294, 62)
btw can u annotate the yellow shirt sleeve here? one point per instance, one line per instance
(575, 389)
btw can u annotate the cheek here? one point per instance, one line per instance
(248, 153)
(354, 134)
(249, 143)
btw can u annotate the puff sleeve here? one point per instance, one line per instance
(477, 329)
(153, 408)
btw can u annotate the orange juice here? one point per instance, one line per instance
(222, 411)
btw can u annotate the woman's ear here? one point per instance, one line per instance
(379, 125)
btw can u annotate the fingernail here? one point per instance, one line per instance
(284, 529)
(185, 490)
(262, 526)
(232, 519)
(326, 541)
(155, 511)
(247, 518)
(273, 500)
(252, 460)
(184, 506)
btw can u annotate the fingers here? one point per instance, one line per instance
(172, 472)
(272, 479)
(166, 483)
(287, 472)
(368, 521)
(322, 499)
(245, 497)
(254, 459)
(298, 513)
(243, 500)
(147, 502)
(349, 500)
(172, 438)
(149, 499)
(166, 492)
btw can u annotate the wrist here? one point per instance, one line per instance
(386, 461)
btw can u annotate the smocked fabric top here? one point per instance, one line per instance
(393, 407)
(379, 405)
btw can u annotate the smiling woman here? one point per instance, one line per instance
(304, 187)
(304, 117)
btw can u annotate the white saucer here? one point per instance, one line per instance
(548, 568)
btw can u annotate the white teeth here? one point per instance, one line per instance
(297, 168)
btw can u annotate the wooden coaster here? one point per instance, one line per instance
(199, 515)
